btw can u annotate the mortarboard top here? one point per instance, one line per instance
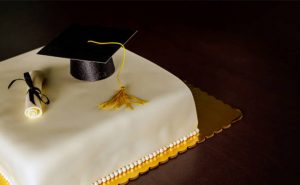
(89, 61)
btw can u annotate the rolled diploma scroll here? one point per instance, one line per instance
(34, 111)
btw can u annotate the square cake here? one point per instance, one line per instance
(75, 143)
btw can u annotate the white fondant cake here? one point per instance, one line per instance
(75, 143)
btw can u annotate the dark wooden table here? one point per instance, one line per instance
(246, 54)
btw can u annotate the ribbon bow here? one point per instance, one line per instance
(32, 91)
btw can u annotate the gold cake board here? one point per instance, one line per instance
(213, 117)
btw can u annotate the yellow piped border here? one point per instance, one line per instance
(132, 171)
(3, 180)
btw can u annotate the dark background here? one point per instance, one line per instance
(246, 54)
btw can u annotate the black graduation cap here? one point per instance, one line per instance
(89, 61)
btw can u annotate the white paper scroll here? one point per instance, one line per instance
(34, 111)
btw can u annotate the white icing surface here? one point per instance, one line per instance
(74, 143)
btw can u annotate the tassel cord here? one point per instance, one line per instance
(121, 97)
(123, 59)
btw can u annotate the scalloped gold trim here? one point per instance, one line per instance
(162, 158)
(134, 173)
(3, 180)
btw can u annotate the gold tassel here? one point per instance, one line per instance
(122, 97)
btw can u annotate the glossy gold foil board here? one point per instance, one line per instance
(213, 117)
(213, 114)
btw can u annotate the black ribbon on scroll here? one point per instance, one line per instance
(32, 91)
